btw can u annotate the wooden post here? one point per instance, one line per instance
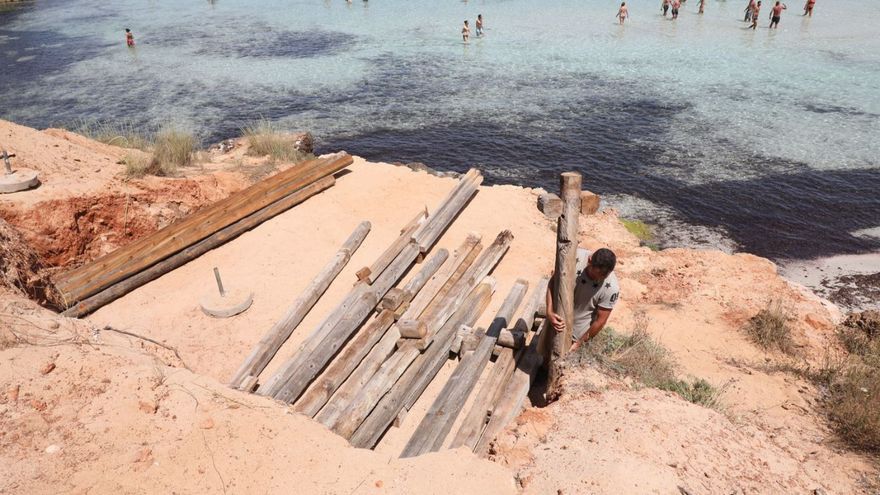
(437, 423)
(385, 259)
(222, 236)
(564, 275)
(269, 345)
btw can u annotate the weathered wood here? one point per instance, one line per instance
(472, 426)
(401, 310)
(449, 208)
(564, 274)
(268, 346)
(511, 340)
(460, 335)
(437, 315)
(363, 275)
(396, 247)
(91, 278)
(339, 370)
(511, 400)
(222, 236)
(551, 205)
(393, 299)
(466, 253)
(589, 203)
(412, 329)
(471, 340)
(420, 373)
(435, 426)
(538, 298)
(362, 375)
(429, 269)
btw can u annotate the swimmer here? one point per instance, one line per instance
(465, 31)
(129, 38)
(665, 7)
(808, 7)
(479, 24)
(749, 8)
(623, 13)
(676, 4)
(776, 13)
(702, 2)
(756, 9)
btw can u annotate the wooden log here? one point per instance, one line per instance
(222, 236)
(393, 299)
(527, 317)
(396, 247)
(435, 426)
(363, 274)
(564, 275)
(268, 346)
(91, 278)
(412, 329)
(437, 315)
(449, 209)
(359, 378)
(401, 310)
(466, 253)
(589, 203)
(339, 370)
(511, 340)
(472, 427)
(460, 335)
(512, 399)
(420, 373)
(471, 340)
(551, 205)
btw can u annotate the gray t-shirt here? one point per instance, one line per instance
(589, 295)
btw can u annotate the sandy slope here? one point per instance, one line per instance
(772, 440)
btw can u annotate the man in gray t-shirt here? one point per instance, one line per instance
(595, 294)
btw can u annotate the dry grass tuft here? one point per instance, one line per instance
(264, 139)
(123, 134)
(853, 405)
(771, 328)
(172, 149)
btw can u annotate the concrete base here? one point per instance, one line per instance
(18, 180)
(233, 303)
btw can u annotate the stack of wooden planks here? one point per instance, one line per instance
(90, 286)
(363, 367)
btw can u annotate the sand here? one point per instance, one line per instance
(129, 416)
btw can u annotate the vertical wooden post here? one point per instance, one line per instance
(564, 277)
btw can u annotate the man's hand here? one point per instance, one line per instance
(576, 345)
(557, 321)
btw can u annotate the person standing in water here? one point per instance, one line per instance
(776, 14)
(623, 13)
(749, 8)
(665, 7)
(479, 25)
(465, 31)
(808, 7)
(129, 38)
(676, 4)
(756, 9)
(702, 3)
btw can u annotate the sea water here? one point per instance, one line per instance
(765, 141)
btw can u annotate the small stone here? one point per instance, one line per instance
(148, 407)
(634, 409)
(206, 424)
(53, 449)
(12, 393)
(47, 368)
(53, 325)
(617, 430)
(379, 484)
(38, 405)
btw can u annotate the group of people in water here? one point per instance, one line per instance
(466, 29)
(752, 11)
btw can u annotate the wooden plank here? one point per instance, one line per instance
(563, 282)
(437, 315)
(466, 253)
(396, 247)
(183, 257)
(538, 298)
(268, 346)
(118, 265)
(423, 369)
(511, 340)
(437, 423)
(393, 299)
(360, 350)
(471, 340)
(412, 329)
(448, 210)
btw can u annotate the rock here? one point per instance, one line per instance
(866, 321)
(38, 405)
(47, 368)
(12, 393)
(148, 407)
(379, 484)
(634, 409)
(53, 325)
(206, 424)
(53, 449)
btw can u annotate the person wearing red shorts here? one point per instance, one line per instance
(129, 38)
(808, 7)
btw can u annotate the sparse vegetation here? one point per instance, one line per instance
(123, 134)
(264, 139)
(172, 149)
(640, 357)
(136, 165)
(771, 328)
(638, 228)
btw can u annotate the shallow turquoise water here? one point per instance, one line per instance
(766, 138)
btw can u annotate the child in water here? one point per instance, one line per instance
(129, 38)
(702, 3)
(465, 31)
(623, 12)
(665, 7)
(808, 7)
(676, 4)
(479, 24)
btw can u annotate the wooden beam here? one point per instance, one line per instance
(91, 278)
(396, 247)
(448, 210)
(465, 254)
(437, 423)
(564, 274)
(471, 340)
(511, 340)
(268, 346)
(412, 329)
(393, 299)
(423, 369)
(215, 240)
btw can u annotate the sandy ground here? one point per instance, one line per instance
(770, 439)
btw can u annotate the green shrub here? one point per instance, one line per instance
(638, 228)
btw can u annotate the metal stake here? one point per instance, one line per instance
(219, 282)
(6, 157)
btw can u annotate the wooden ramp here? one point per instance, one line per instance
(362, 368)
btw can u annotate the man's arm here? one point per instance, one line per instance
(602, 315)
(555, 320)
